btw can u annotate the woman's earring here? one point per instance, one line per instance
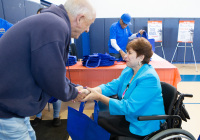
(139, 63)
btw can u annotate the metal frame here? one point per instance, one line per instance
(162, 49)
(185, 52)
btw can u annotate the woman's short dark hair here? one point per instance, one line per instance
(142, 47)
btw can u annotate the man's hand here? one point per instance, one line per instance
(79, 88)
(80, 97)
(122, 53)
(85, 91)
(141, 31)
(82, 93)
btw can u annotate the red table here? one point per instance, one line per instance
(92, 77)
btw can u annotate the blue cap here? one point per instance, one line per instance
(126, 18)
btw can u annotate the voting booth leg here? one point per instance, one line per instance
(185, 53)
(162, 49)
(174, 53)
(194, 57)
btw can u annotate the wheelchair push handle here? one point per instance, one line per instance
(188, 95)
(185, 95)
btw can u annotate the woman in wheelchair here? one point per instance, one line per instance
(139, 94)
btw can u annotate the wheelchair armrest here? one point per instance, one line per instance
(158, 117)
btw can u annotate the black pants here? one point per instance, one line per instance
(116, 125)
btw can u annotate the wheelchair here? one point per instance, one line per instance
(175, 112)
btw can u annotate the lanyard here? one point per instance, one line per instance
(126, 89)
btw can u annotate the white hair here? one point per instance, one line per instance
(76, 7)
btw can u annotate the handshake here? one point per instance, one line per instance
(88, 94)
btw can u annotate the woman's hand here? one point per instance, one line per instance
(94, 95)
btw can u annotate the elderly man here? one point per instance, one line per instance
(119, 35)
(33, 54)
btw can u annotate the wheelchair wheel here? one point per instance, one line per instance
(173, 134)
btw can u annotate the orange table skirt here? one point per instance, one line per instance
(92, 77)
